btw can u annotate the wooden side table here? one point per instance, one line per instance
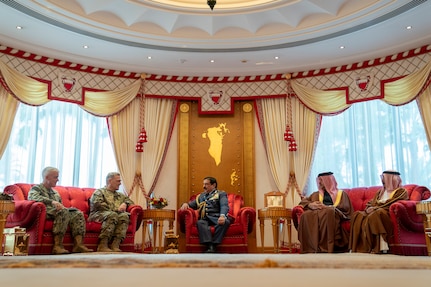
(275, 214)
(424, 208)
(6, 207)
(158, 216)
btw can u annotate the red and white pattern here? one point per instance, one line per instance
(233, 88)
(380, 70)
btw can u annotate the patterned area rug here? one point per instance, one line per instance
(288, 261)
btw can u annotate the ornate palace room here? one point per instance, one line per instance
(266, 96)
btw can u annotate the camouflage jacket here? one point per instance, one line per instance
(47, 196)
(106, 200)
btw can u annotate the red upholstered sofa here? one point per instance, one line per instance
(32, 216)
(236, 237)
(409, 237)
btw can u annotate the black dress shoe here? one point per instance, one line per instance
(211, 249)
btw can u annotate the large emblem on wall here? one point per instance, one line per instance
(68, 87)
(215, 136)
(216, 101)
(67, 82)
(362, 88)
(215, 95)
(363, 82)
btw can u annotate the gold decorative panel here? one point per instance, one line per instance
(216, 145)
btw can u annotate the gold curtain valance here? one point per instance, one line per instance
(101, 103)
(110, 102)
(398, 92)
(26, 89)
(407, 88)
(323, 102)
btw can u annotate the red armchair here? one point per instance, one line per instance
(409, 237)
(32, 216)
(236, 237)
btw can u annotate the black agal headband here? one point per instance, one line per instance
(325, 173)
(391, 172)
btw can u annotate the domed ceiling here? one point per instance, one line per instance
(236, 38)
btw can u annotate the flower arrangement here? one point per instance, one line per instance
(158, 202)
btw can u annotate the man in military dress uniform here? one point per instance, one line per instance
(213, 211)
(109, 206)
(63, 216)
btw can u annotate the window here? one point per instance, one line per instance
(62, 135)
(368, 138)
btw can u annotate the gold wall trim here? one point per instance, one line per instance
(183, 154)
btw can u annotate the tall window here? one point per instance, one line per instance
(368, 138)
(61, 135)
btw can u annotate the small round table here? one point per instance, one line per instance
(276, 214)
(424, 208)
(157, 216)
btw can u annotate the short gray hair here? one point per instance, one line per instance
(111, 175)
(47, 170)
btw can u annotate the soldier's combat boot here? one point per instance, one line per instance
(78, 247)
(103, 246)
(58, 245)
(115, 246)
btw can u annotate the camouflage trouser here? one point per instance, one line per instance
(69, 217)
(114, 225)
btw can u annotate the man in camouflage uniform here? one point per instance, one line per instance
(63, 216)
(109, 206)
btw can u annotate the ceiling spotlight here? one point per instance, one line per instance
(211, 3)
